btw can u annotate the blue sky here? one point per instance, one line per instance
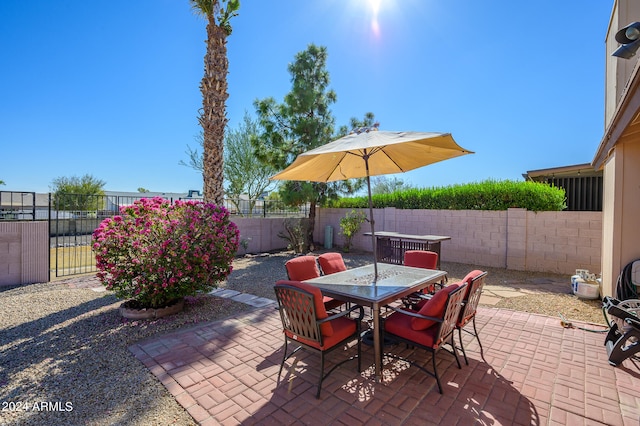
(111, 88)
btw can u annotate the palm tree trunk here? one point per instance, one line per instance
(213, 113)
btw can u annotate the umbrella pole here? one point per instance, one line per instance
(371, 221)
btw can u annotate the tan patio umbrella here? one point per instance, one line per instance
(369, 153)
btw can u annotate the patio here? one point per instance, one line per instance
(533, 372)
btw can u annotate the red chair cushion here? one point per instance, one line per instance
(318, 301)
(302, 268)
(330, 263)
(433, 308)
(342, 328)
(400, 325)
(467, 279)
(421, 259)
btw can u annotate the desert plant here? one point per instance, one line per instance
(350, 226)
(297, 230)
(244, 243)
(156, 252)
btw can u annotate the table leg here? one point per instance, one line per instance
(377, 343)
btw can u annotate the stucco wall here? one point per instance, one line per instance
(516, 239)
(24, 252)
(559, 242)
(621, 231)
(261, 234)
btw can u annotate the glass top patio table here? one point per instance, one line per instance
(394, 282)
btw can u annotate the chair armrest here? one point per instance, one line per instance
(415, 314)
(343, 313)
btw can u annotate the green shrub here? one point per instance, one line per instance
(486, 195)
(350, 226)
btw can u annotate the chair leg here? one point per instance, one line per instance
(321, 375)
(475, 331)
(284, 358)
(466, 361)
(359, 348)
(455, 351)
(435, 372)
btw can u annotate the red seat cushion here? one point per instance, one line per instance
(434, 307)
(400, 325)
(302, 268)
(467, 279)
(421, 259)
(342, 328)
(318, 301)
(330, 263)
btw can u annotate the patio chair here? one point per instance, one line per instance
(475, 282)
(623, 338)
(420, 259)
(307, 324)
(430, 328)
(303, 268)
(330, 263)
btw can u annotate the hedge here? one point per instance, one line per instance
(486, 195)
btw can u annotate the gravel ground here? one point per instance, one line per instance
(67, 347)
(543, 293)
(64, 355)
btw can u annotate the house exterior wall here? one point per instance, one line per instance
(558, 242)
(618, 71)
(611, 225)
(619, 154)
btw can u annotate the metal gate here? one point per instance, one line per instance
(72, 220)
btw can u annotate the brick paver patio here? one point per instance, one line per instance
(534, 372)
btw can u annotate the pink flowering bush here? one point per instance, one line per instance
(155, 252)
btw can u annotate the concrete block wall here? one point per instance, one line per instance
(564, 241)
(558, 242)
(24, 252)
(261, 233)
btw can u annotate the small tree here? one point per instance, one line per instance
(297, 230)
(78, 193)
(350, 226)
(303, 121)
(386, 185)
(243, 175)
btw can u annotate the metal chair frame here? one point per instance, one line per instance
(468, 313)
(298, 315)
(445, 334)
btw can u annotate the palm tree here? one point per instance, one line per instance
(214, 92)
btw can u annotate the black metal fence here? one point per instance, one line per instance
(264, 208)
(15, 205)
(73, 218)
